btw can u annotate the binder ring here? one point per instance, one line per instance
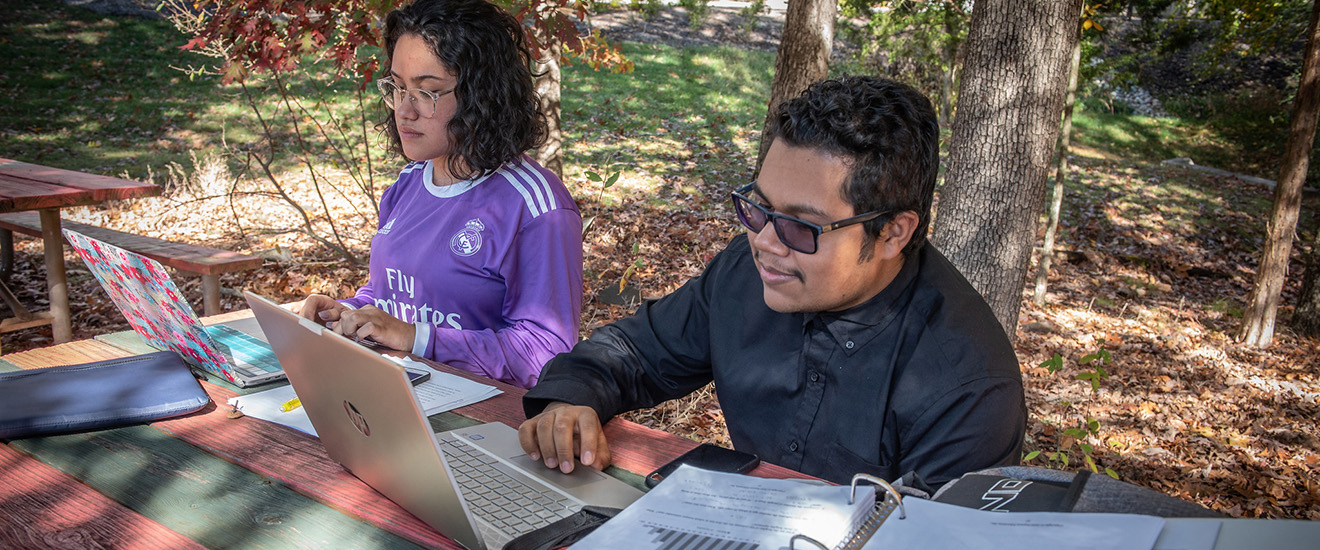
(852, 495)
(792, 542)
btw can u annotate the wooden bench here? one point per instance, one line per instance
(201, 260)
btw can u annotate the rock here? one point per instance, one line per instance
(1039, 327)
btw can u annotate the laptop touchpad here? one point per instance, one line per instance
(581, 476)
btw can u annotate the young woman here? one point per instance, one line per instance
(477, 261)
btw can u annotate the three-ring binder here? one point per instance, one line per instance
(883, 509)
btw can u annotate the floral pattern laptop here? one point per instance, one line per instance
(158, 311)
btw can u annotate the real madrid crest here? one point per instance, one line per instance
(468, 240)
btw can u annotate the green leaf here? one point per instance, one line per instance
(614, 178)
(1053, 364)
(1087, 448)
(1091, 464)
(593, 176)
(1076, 433)
(1111, 473)
(1088, 358)
(1031, 455)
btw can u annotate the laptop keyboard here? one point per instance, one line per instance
(252, 357)
(498, 498)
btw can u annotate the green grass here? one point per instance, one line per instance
(1243, 132)
(97, 93)
(104, 95)
(691, 114)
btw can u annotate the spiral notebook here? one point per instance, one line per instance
(917, 523)
(699, 509)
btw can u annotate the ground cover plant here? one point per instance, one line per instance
(1153, 267)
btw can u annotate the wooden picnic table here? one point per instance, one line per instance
(25, 187)
(209, 481)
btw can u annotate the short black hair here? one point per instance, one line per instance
(499, 115)
(888, 133)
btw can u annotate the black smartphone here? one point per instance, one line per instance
(417, 376)
(710, 457)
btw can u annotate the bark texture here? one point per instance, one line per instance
(1009, 103)
(803, 57)
(548, 80)
(1263, 303)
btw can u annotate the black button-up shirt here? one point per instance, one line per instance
(921, 377)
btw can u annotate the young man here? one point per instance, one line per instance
(839, 340)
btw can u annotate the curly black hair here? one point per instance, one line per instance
(888, 133)
(499, 115)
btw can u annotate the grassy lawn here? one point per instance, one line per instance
(106, 95)
(1243, 132)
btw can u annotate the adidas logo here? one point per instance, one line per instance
(386, 230)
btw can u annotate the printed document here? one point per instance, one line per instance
(443, 392)
(696, 508)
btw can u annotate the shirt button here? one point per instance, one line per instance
(815, 376)
(848, 344)
(793, 446)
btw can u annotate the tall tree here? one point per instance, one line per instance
(1263, 303)
(1060, 176)
(1061, 165)
(804, 54)
(1306, 318)
(1014, 77)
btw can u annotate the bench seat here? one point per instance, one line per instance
(201, 260)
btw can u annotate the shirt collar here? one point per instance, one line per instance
(859, 324)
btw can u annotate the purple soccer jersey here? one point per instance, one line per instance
(490, 270)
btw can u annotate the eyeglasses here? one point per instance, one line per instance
(423, 101)
(797, 234)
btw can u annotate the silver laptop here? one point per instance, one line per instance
(475, 485)
(146, 295)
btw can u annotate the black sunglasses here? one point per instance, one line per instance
(797, 234)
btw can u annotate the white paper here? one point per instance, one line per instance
(719, 509)
(938, 526)
(443, 392)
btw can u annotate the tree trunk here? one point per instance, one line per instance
(1014, 77)
(548, 78)
(804, 55)
(1060, 175)
(949, 78)
(1263, 303)
(1306, 319)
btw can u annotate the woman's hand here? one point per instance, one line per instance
(372, 322)
(320, 308)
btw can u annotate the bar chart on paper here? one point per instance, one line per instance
(697, 509)
(668, 539)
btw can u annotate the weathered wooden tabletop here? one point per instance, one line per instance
(209, 481)
(25, 186)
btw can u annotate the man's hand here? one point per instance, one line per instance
(563, 431)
